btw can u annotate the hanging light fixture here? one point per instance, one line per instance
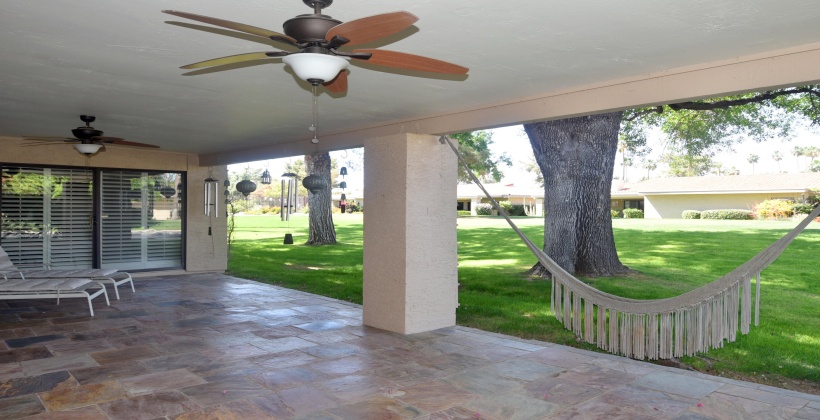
(343, 185)
(343, 171)
(315, 68)
(266, 177)
(88, 149)
(314, 183)
(167, 191)
(246, 187)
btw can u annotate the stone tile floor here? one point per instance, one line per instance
(212, 346)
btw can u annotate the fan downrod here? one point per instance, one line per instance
(317, 5)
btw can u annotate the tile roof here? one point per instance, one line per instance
(730, 184)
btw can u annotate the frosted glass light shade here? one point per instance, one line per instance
(312, 66)
(87, 149)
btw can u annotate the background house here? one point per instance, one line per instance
(531, 196)
(667, 198)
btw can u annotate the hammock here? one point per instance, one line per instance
(695, 321)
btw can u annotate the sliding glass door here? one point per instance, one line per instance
(47, 216)
(52, 217)
(140, 227)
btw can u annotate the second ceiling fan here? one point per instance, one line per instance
(319, 39)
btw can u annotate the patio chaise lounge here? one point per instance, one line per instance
(18, 288)
(112, 276)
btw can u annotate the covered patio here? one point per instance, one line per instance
(215, 346)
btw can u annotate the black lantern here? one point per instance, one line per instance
(167, 192)
(343, 185)
(344, 197)
(266, 177)
(343, 171)
(246, 187)
(314, 183)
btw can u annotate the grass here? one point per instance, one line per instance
(672, 256)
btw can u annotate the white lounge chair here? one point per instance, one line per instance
(18, 288)
(114, 277)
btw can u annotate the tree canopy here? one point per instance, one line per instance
(475, 147)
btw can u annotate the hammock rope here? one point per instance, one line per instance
(695, 321)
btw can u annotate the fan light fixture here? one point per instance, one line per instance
(88, 149)
(315, 68)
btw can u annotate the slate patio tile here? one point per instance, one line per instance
(34, 384)
(16, 343)
(147, 407)
(127, 354)
(19, 407)
(220, 392)
(26, 353)
(435, 396)
(92, 412)
(378, 407)
(81, 396)
(513, 406)
(109, 372)
(679, 384)
(53, 364)
(152, 382)
(234, 410)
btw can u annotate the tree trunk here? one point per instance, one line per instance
(577, 157)
(322, 231)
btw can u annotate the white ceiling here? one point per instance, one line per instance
(118, 60)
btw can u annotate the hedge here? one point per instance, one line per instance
(484, 209)
(464, 213)
(691, 214)
(615, 214)
(727, 214)
(633, 214)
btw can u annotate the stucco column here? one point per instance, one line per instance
(410, 248)
(474, 202)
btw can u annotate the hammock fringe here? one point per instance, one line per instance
(693, 322)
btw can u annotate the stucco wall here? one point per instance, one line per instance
(204, 252)
(671, 206)
(410, 246)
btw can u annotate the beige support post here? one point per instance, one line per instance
(410, 248)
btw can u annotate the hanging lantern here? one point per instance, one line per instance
(343, 185)
(343, 171)
(246, 187)
(344, 197)
(266, 177)
(167, 192)
(314, 183)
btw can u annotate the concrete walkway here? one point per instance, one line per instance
(219, 347)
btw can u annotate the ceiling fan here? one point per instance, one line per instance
(320, 59)
(87, 140)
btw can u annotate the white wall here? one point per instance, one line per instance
(671, 206)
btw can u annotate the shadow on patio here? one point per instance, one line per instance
(215, 346)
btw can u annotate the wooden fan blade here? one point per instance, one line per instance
(238, 58)
(48, 138)
(241, 27)
(371, 28)
(123, 142)
(339, 84)
(406, 61)
(44, 143)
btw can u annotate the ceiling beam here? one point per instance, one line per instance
(774, 69)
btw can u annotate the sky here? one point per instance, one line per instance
(513, 141)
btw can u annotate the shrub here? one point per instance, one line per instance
(615, 214)
(802, 208)
(464, 213)
(691, 214)
(633, 214)
(773, 209)
(484, 209)
(506, 205)
(517, 210)
(727, 214)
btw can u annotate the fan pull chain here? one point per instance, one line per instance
(315, 126)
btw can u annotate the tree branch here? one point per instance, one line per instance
(765, 96)
(640, 113)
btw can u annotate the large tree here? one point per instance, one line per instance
(577, 157)
(322, 231)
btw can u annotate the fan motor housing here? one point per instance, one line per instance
(86, 132)
(309, 28)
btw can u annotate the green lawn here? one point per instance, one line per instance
(672, 256)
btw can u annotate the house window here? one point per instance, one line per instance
(633, 204)
(91, 218)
